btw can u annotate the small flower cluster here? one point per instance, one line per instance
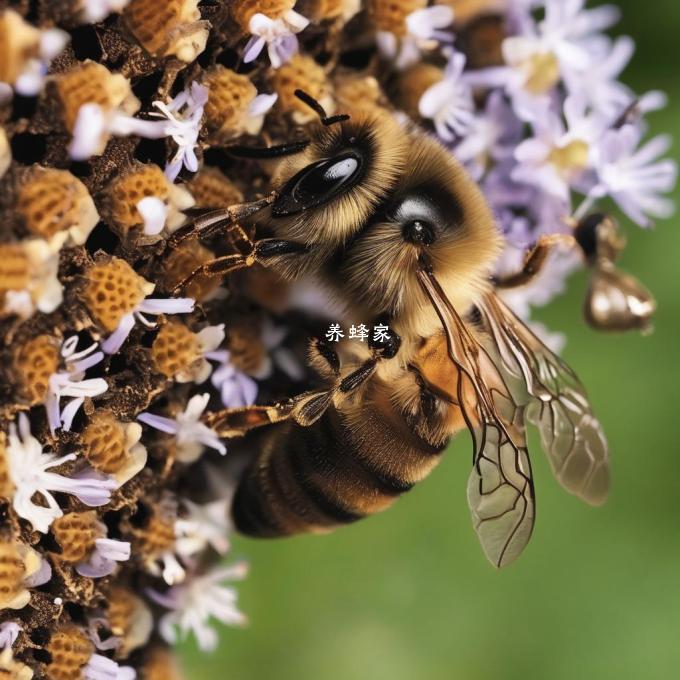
(550, 131)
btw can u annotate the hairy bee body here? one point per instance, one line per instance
(363, 248)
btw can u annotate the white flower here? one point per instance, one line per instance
(492, 135)
(102, 668)
(43, 291)
(209, 339)
(36, 571)
(257, 110)
(195, 602)
(153, 306)
(557, 156)
(449, 103)
(634, 177)
(600, 86)
(236, 388)
(181, 121)
(30, 81)
(277, 34)
(9, 632)
(184, 114)
(96, 10)
(29, 470)
(205, 525)
(190, 433)
(424, 32)
(103, 558)
(70, 383)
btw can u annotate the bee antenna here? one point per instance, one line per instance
(319, 110)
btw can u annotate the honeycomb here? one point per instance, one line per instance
(14, 268)
(92, 83)
(243, 10)
(158, 25)
(103, 442)
(412, 84)
(126, 192)
(76, 532)
(174, 349)
(229, 96)
(6, 486)
(19, 42)
(113, 290)
(156, 538)
(12, 572)
(390, 15)
(184, 260)
(54, 200)
(213, 189)
(302, 73)
(159, 665)
(70, 649)
(34, 363)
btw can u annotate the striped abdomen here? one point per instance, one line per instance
(338, 470)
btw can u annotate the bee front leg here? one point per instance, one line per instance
(535, 260)
(258, 252)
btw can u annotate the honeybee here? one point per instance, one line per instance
(382, 217)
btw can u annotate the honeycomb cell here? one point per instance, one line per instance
(34, 363)
(113, 289)
(76, 533)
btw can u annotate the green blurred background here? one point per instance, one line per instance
(408, 594)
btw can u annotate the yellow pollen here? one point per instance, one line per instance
(543, 73)
(570, 158)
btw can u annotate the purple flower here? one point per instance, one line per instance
(192, 604)
(70, 383)
(237, 388)
(29, 470)
(634, 177)
(277, 34)
(189, 432)
(448, 103)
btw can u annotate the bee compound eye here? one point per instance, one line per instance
(419, 232)
(318, 183)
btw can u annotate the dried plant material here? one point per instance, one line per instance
(51, 201)
(171, 28)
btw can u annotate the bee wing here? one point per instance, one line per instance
(556, 403)
(500, 488)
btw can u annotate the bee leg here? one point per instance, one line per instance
(258, 251)
(536, 259)
(215, 221)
